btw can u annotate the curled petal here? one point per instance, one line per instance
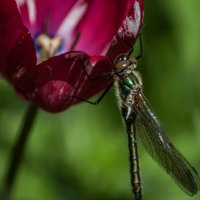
(61, 77)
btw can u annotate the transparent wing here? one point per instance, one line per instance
(162, 150)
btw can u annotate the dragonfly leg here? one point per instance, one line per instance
(75, 42)
(104, 75)
(141, 48)
(132, 48)
(94, 78)
(98, 100)
(133, 155)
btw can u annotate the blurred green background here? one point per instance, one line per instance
(81, 154)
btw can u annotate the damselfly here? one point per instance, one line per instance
(135, 107)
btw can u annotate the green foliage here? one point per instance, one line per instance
(81, 154)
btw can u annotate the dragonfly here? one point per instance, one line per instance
(135, 109)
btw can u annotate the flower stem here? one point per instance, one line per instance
(29, 118)
(18, 150)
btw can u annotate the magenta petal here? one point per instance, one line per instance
(129, 30)
(44, 14)
(17, 53)
(99, 25)
(60, 77)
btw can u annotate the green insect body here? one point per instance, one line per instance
(134, 105)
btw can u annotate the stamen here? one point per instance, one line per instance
(49, 46)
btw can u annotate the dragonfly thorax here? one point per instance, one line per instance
(125, 65)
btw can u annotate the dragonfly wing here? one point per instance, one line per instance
(162, 150)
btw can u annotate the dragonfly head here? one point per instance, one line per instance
(125, 63)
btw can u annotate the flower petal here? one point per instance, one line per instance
(44, 16)
(63, 76)
(129, 30)
(99, 25)
(17, 53)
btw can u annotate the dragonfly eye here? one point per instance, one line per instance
(122, 58)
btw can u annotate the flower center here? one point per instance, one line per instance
(49, 46)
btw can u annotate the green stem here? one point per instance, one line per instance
(29, 118)
(18, 150)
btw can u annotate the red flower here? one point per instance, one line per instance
(107, 29)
